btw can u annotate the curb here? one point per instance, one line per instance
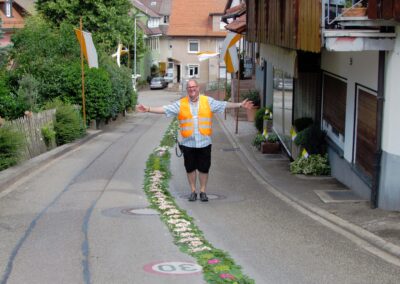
(11, 175)
(392, 250)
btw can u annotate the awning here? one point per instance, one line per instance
(281, 58)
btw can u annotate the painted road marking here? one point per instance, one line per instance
(173, 268)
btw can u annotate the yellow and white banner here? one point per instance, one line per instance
(120, 51)
(204, 55)
(229, 52)
(293, 133)
(88, 48)
(304, 154)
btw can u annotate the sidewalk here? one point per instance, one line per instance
(379, 229)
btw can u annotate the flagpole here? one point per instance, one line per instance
(83, 78)
(226, 85)
(238, 91)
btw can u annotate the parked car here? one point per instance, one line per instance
(169, 77)
(158, 83)
(286, 84)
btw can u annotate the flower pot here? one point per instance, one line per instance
(251, 114)
(270, 148)
(355, 12)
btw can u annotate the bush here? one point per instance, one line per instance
(302, 123)
(12, 143)
(100, 103)
(313, 165)
(68, 125)
(259, 119)
(312, 139)
(49, 135)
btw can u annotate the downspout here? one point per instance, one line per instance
(379, 131)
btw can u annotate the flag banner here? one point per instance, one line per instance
(293, 133)
(229, 52)
(204, 55)
(120, 51)
(265, 133)
(88, 48)
(304, 153)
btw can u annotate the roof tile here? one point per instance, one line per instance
(192, 17)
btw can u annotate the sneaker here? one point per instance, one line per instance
(193, 196)
(203, 196)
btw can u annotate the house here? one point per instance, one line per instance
(12, 14)
(195, 26)
(340, 70)
(151, 23)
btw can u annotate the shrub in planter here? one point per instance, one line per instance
(259, 119)
(312, 139)
(258, 139)
(302, 123)
(69, 124)
(12, 143)
(252, 95)
(313, 165)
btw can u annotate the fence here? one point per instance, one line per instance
(31, 125)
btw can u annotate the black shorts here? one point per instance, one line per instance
(197, 158)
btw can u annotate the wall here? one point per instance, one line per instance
(355, 67)
(180, 52)
(389, 189)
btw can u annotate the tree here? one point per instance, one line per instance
(109, 21)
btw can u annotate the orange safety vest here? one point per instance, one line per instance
(185, 117)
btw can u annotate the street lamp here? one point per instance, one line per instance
(134, 54)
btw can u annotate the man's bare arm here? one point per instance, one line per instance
(143, 108)
(244, 104)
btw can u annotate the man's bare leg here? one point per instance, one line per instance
(203, 177)
(192, 180)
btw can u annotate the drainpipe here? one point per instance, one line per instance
(379, 128)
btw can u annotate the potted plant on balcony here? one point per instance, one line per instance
(254, 96)
(354, 10)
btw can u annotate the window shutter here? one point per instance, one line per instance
(366, 131)
(334, 105)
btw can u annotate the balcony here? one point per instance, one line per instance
(345, 31)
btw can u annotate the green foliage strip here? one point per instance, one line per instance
(218, 266)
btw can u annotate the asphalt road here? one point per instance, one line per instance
(64, 223)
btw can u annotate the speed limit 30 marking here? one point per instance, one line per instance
(173, 268)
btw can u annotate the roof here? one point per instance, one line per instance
(27, 5)
(143, 8)
(153, 5)
(238, 25)
(149, 31)
(165, 8)
(192, 17)
(234, 12)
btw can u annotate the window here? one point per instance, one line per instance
(193, 46)
(283, 106)
(193, 71)
(166, 19)
(153, 23)
(8, 9)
